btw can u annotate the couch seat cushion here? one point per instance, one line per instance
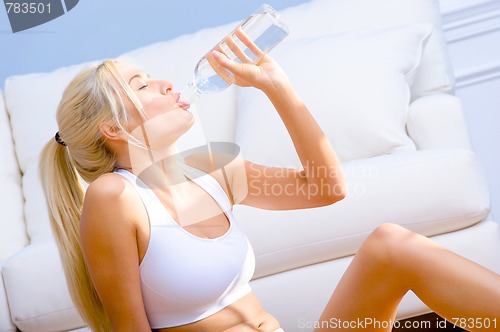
(429, 191)
(37, 292)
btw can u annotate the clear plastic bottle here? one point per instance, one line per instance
(264, 27)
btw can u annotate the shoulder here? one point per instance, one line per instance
(107, 186)
(111, 191)
(111, 200)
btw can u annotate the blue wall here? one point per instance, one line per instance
(97, 29)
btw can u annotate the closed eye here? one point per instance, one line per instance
(143, 86)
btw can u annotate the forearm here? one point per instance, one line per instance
(321, 166)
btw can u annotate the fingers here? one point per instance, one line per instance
(215, 58)
(242, 40)
(249, 43)
(221, 58)
(234, 44)
(236, 49)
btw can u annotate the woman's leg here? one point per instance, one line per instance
(393, 261)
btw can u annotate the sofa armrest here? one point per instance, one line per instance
(437, 122)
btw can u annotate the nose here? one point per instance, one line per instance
(166, 87)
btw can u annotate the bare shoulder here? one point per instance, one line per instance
(107, 186)
(109, 190)
(111, 201)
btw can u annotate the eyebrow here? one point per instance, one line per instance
(139, 75)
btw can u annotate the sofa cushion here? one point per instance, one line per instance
(12, 228)
(429, 191)
(326, 17)
(39, 302)
(356, 85)
(31, 103)
(438, 122)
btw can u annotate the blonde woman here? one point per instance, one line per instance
(152, 245)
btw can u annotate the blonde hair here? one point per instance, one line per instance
(93, 97)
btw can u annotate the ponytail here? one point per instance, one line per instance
(64, 193)
(93, 97)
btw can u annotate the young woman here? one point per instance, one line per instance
(152, 245)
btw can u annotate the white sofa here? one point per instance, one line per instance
(376, 76)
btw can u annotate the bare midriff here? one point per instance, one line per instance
(244, 315)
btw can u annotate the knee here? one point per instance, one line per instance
(388, 233)
(386, 244)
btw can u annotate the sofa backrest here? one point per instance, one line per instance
(13, 234)
(326, 17)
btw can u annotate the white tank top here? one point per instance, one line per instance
(185, 278)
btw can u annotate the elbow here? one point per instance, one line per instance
(332, 199)
(331, 193)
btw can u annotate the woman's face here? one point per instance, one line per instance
(166, 118)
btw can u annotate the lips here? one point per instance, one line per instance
(182, 104)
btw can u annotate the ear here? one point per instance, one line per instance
(111, 131)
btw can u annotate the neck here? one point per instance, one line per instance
(159, 169)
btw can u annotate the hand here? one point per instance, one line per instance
(264, 75)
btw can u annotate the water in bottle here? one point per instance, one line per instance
(264, 27)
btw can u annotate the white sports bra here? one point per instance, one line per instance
(185, 278)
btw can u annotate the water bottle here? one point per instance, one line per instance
(264, 27)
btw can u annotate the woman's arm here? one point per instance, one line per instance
(320, 182)
(109, 240)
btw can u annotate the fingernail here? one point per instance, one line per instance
(216, 54)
